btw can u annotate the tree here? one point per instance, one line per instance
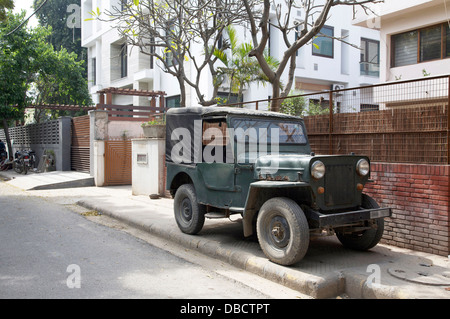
(65, 34)
(61, 80)
(17, 56)
(316, 14)
(179, 31)
(5, 4)
(240, 69)
(26, 60)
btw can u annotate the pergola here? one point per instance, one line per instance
(109, 92)
(131, 112)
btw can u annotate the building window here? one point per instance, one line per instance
(430, 43)
(123, 61)
(422, 45)
(173, 101)
(369, 107)
(370, 57)
(447, 40)
(220, 41)
(152, 53)
(123, 4)
(171, 51)
(405, 48)
(324, 45)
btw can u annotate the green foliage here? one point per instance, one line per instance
(155, 121)
(31, 71)
(296, 104)
(5, 4)
(18, 56)
(54, 14)
(240, 69)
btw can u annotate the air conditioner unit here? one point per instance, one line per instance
(337, 87)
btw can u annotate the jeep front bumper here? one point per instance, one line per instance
(346, 218)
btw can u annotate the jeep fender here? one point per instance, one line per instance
(261, 191)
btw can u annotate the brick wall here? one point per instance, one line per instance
(419, 196)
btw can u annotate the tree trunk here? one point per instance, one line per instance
(276, 103)
(8, 139)
(182, 91)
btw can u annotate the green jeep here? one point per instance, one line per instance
(222, 161)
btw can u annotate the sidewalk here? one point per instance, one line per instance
(327, 271)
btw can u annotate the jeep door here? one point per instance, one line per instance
(216, 169)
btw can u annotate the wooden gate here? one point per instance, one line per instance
(118, 162)
(80, 150)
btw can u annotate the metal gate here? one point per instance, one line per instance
(117, 162)
(80, 149)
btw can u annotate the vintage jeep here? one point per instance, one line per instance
(222, 161)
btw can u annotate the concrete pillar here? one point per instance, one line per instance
(99, 162)
(148, 166)
(98, 134)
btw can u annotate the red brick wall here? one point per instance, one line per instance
(419, 196)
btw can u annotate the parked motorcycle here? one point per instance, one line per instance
(24, 160)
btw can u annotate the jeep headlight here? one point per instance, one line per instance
(363, 167)
(318, 170)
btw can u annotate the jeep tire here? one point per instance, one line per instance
(189, 214)
(282, 231)
(366, 239)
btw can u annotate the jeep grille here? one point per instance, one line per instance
(339, 185)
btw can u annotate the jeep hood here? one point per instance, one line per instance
(283, 167)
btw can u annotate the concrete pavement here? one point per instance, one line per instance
(328, 270)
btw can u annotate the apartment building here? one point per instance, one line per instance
(331, 64)
(414, 50)
(414, 37)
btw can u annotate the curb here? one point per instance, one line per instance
(337, 283)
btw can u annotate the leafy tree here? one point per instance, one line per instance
(298, 105)
(18, 53)
(65, 34)
(5, 4)
(61, 81)
(27, 60)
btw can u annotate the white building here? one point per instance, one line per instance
(414, 36)
(333, 64)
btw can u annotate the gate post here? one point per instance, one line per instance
(65, 142)
(98, 129)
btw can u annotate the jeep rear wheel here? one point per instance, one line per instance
(283, 231)
(366, 239)
(189, 214)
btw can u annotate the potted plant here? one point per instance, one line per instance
(155, 128)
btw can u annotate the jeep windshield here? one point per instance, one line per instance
(279, 131)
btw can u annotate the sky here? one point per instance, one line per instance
(28, 6)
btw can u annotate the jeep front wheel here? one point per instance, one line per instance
(283, 231)
(189, 214)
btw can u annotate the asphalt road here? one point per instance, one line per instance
(52, 251)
